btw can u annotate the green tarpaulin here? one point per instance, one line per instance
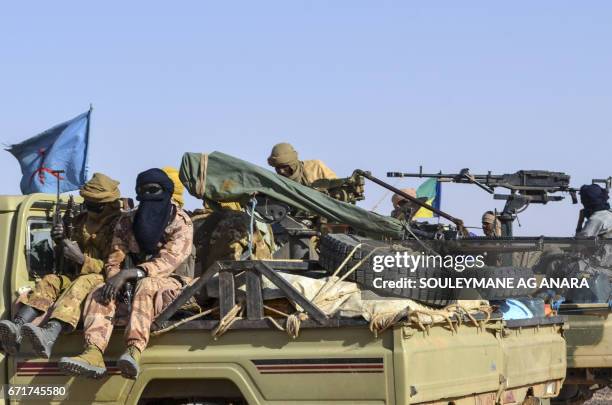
(220, 177)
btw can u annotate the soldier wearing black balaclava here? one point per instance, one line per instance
(596, 211)
(158, 235)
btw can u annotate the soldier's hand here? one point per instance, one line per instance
(57, 232)
(114, 284)
(73, 253)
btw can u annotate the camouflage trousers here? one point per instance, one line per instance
(63, 296)
(151, 297)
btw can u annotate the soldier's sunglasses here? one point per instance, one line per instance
(149, 189)
(94, 206)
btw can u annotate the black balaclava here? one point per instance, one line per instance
(154, 192)
(594, 198)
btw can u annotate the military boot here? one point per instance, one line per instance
(10, 332)
(42, 338)
(88, 364)
(129, 362)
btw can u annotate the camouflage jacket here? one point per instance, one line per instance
(174, 249)
(96, 245)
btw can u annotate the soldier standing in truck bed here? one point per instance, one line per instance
(596, 211)
(286, 162)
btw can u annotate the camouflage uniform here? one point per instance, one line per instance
(66, 294)
(153, 292)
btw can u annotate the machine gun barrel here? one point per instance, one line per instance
(416, 201)
(527, 182)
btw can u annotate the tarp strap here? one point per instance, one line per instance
(201, 183)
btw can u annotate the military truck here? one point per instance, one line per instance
(475, 360)
(588, 324)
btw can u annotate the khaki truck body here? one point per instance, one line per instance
(476, 361)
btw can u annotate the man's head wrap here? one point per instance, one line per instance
(283, 154)
(594, 198)
(153, 214)
(179, 189)
(396, 199)
(100, 189)
(489, 217)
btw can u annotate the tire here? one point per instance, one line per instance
(334, 248)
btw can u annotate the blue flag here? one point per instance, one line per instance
(63, 147)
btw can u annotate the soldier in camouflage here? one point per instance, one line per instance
(61, 296)
(158, 236)
(285, 161)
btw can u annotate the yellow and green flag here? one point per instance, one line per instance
(431, 189)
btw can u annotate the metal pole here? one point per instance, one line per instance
(418, 202)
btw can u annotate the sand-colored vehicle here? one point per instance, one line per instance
(466, 360)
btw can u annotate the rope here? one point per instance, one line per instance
(226, 322)
(463, 311)
(201, 182)
(340, 267)
(276, 311)
(251, 213)
(382, 322)
(431, 314)
(332, 283)
(385, 195)
(182, 321)
(294, 322)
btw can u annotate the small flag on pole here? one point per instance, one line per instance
(432, 190)
(63, 147)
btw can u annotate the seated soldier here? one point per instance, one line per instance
(63, 294)
(285, 161)
(158, 235)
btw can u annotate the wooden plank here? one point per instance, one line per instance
(291, 292)
(265, 323)
(254, 295)
(287, 265)
(187, 293)
(227, 294)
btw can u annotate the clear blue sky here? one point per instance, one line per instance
(373, 85)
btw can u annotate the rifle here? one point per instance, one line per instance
(59, 262)
(67, 221)
(526, 187)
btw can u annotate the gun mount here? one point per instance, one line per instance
(348, 189)
(526, 187)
